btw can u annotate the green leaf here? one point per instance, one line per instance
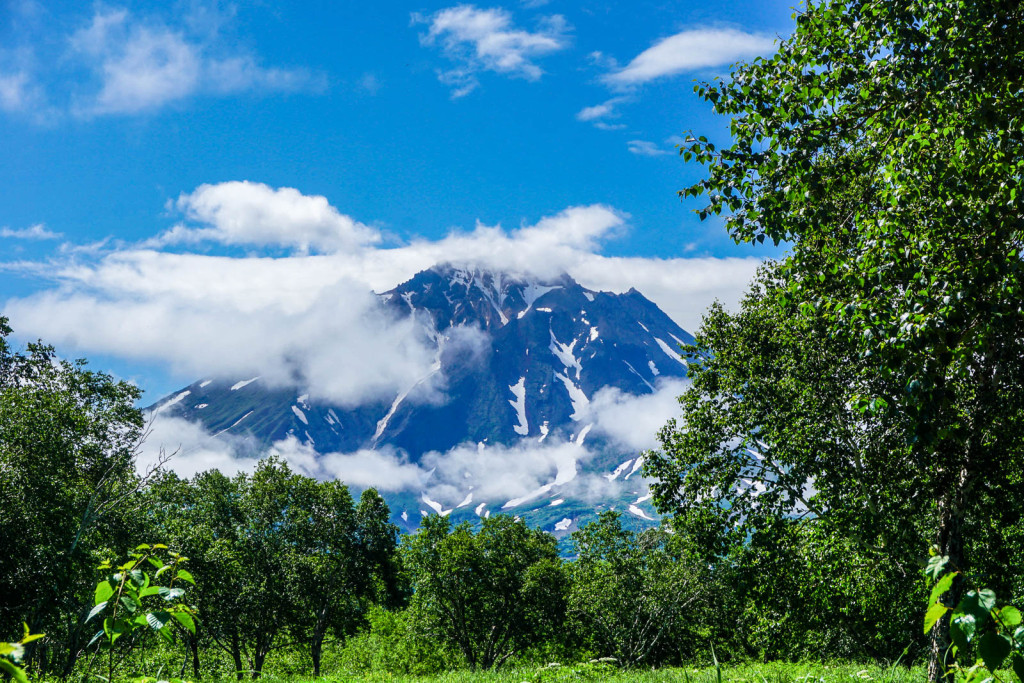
(171, 594)
(157, 620)
(138, 577)
(185, 576)
(129, 603)
(1009, 616)
(29, 638)
(185, 619)
(7, 649)
(958, 635)
(15, 672)
(149, 590)
(987, 599)
(1018, 666)
(95, 610)
(944, 584)
(934, 613)
(993, 649)
(936, 565)
(103, 592)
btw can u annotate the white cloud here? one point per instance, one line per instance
(142, 65)
(690, 50)
(33, 232)
(487, 40)
(646, 148)
(310, 318)
(15, 91)
(599, 113)
(633, 422)
(256, 214)
(191, 448)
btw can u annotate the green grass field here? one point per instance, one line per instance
(746, 673)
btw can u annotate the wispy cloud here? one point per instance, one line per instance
(479, 40)
(33, 232)
(114, 62)
(688, 51)
(141, 65)
(646, 148)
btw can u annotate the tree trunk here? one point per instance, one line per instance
(193, 644)
(257, 669)
(949, 539)
(315, 649)
(236, 655)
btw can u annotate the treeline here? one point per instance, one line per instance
(289, 570)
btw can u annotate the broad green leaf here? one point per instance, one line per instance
(29, 638)
(185, 619)
(103, 592)
(95, 610)
(16, 651)
(987, 599)
(129, 603)
(934, 613)
(97, 636)
(157, 620)
(993, 649)
(185, 576)
(967, 624)
(149, 590)
(138, 577)
(1018, 666)
(162, 570)
(957, 634)
(1009, 616)
(936, 565)
(943, 585)
(15, 672)
(171, 594)
(7, 649)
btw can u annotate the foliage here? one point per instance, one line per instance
(281, 559)
(636, 597)
(488, 595)
(125, 591)
(884, 142)
(391, 643)
(983, 633)
(68, 491)
(11, 655)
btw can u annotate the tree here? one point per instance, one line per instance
(884, 141)
(68, 488)
(635, 596)
(488, 595)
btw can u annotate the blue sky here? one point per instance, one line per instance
(171, 165)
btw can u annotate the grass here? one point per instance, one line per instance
(743, 673)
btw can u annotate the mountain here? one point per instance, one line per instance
(517, 361)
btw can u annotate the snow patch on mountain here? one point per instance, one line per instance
(576, 396)
(519, 404)
(673, 354)
(244, 383)
(564, 353)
